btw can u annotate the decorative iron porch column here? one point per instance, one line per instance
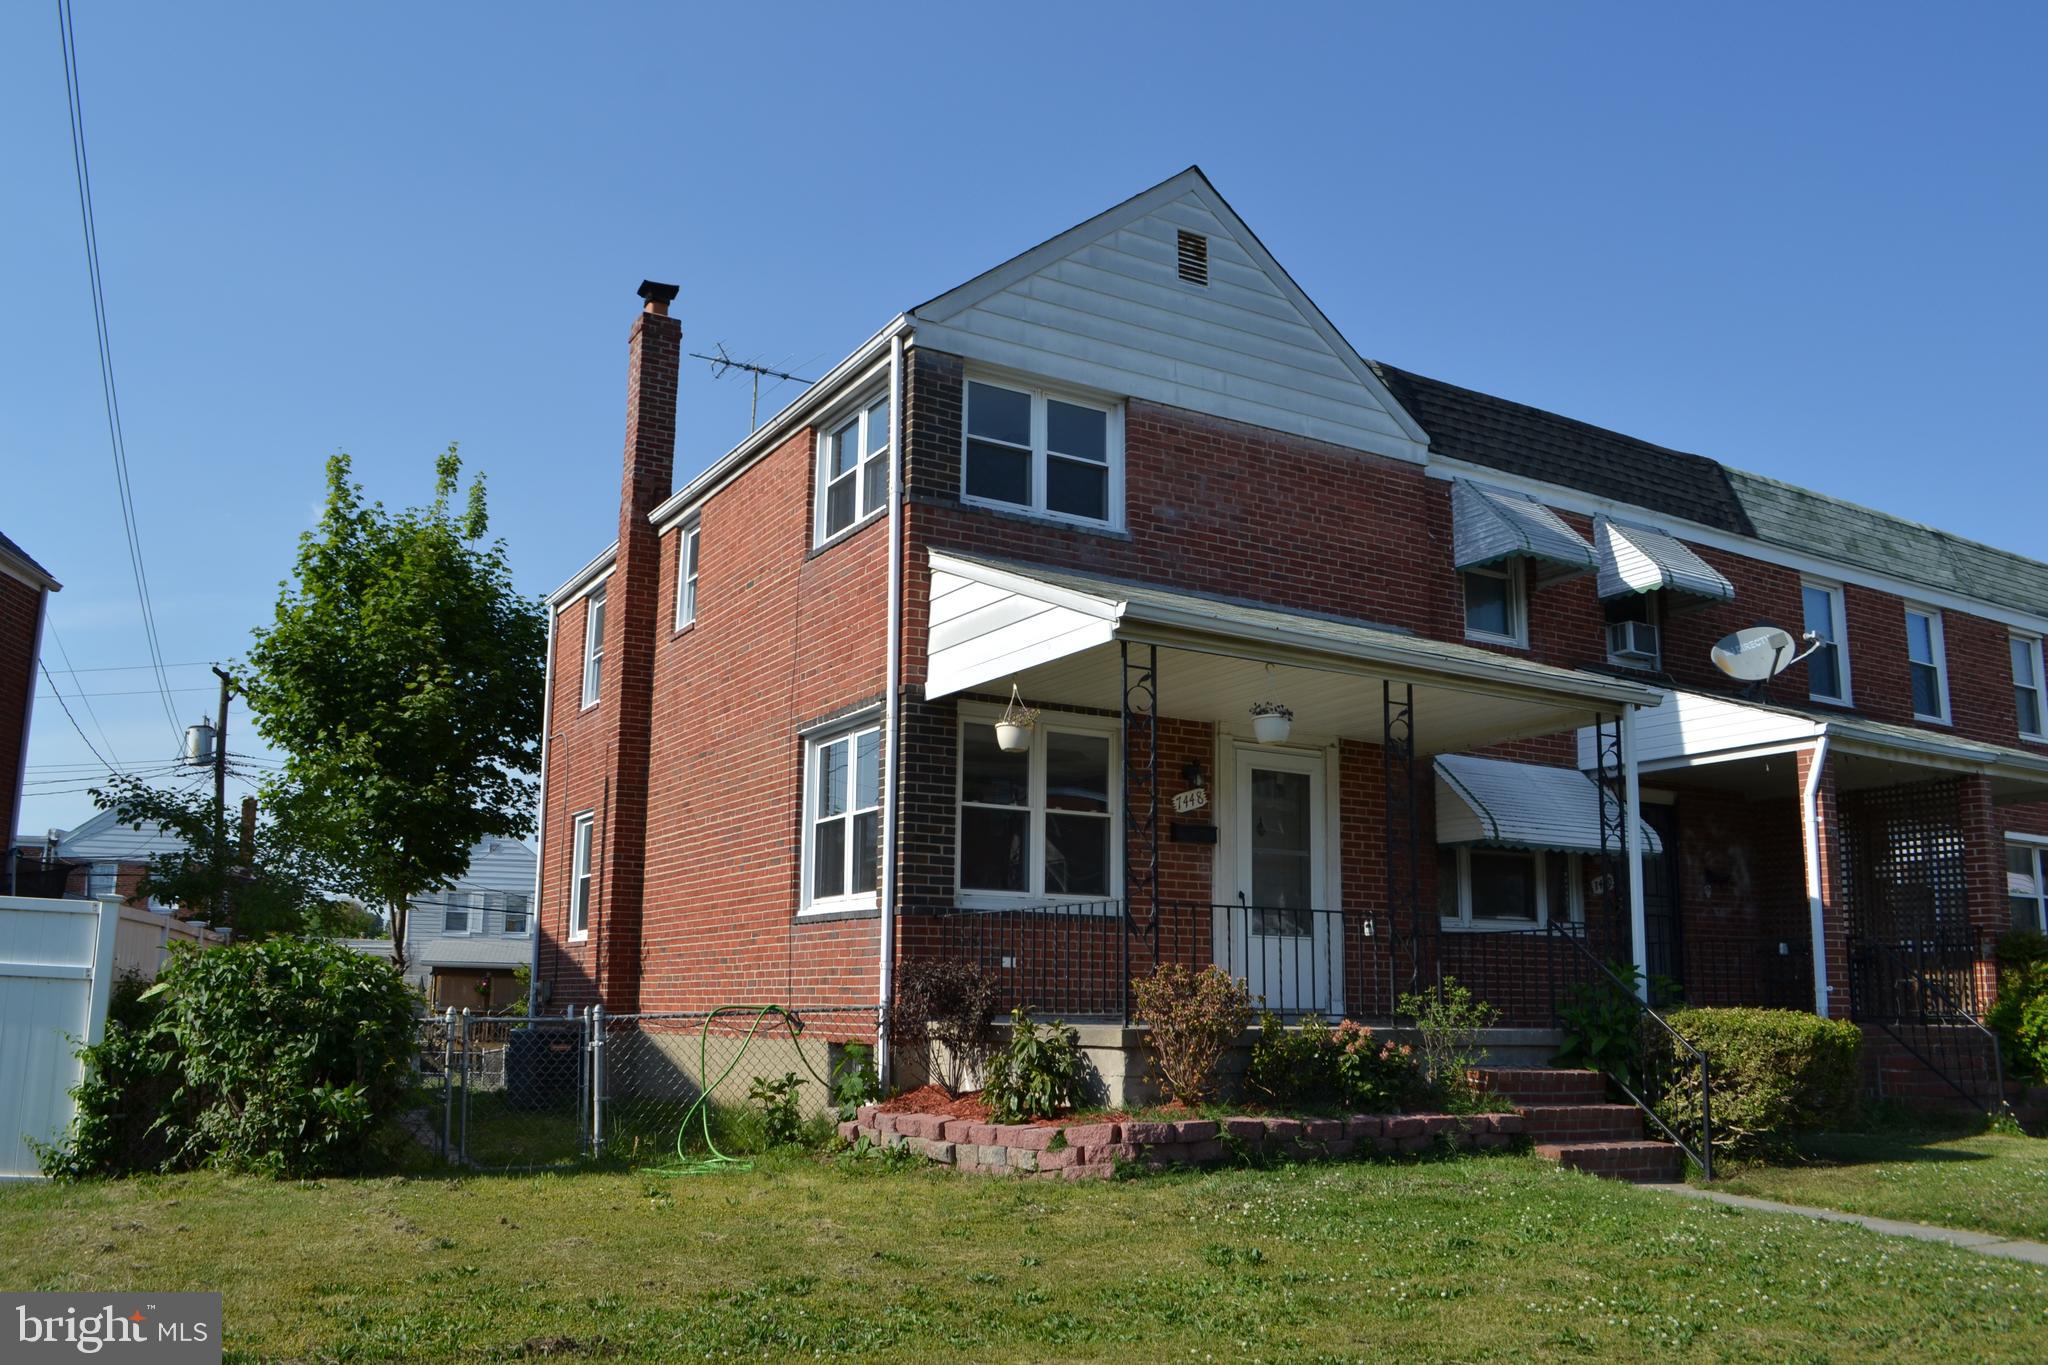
(1141, 877)
(1401, 829)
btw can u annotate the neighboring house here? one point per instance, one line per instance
(25, 588)
(1135, 478)
(106, 858)
(463, 945)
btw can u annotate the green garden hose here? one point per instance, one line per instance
(700, 1108)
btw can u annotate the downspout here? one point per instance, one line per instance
(28, 713)
(893, 706)
(540, 823)
(1631, 843)
(1809, 814)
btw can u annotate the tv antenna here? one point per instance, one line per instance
(1757, 654)
(722, 362)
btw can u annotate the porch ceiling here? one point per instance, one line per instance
(1056, 635)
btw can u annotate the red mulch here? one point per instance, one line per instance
(936, 1099)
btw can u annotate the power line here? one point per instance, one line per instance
(144, 692)
(73, 719)
(82, 696)
(140, 668)
(82, 170)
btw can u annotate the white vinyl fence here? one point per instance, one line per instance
(56, 967)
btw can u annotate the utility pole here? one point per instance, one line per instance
(220, 799)
(723, 362)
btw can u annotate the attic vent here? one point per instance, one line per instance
(1194, 258)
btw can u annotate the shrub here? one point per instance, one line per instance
(286, 1057)
(2020, 1014)
(1773, 1074)
(1193, 1018)
(1449, 1020)
(952, 1005)
(1315, 1066)
(781, 1124)
(1603, 1026)
(853, 1080)
(1037, 1076)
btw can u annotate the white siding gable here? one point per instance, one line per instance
(1102, 306)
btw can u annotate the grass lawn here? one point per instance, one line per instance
(1985, 1181)
(1480, 1258)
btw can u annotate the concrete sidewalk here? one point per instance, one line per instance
(1985, 1243)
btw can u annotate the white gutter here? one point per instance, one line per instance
(764, 438)
(1809, 814)
(540, 824)
(585, 578)
(892, 751)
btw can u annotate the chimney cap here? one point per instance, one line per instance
(659, 296)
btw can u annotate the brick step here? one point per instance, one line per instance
(1636, 1162)
(1541, 1084)
(1581, 1122)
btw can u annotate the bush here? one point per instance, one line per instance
(776, 1101)
(2020, 1014)
(1449, 1019)
(1037, 1076)
(1315, 1066)
(286, 1057)
(1773, 1073)
(951, 1004)
(1193, 1018)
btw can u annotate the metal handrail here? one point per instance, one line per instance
(1954, 1015)
(1703, 1155)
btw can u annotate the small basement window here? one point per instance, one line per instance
(1194, 258)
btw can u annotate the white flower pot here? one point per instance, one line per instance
(1271, 729)
(1011, 738)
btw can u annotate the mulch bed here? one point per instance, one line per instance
(936, 1099)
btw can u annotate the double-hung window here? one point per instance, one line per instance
(515, 912)
(456, 907)
(1927, 661)
(1040, 823)
(687, 553)
(1827, 669)
(1053, 454)
(853, 469)
(843, 820)
(2026, 885)
(2027, 690)
(593, 647)
(1493, 604)
(1507, 888)
(579, 875)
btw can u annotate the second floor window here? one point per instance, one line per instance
(515, 913)
(455, 914)
(686, 576)
(1927, 662)
(593, 647)
(853, 469)
(2027, 686)
(1493, 603)
(1041, 452)
(1827, 669)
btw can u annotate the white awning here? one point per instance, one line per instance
(1520, 805)
(1488, 525)
(1634, 559)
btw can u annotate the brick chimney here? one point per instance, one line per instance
(632, 616)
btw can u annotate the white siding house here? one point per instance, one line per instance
(479, 929)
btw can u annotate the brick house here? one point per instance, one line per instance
(1134, 480)
(25, 588)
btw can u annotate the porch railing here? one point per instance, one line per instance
(1924, 995)
(1073, 960)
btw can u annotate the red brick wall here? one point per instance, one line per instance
(20, 606)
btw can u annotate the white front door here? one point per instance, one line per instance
(1278, 927)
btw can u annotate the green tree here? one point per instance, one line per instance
(269, 886)
(402, 680)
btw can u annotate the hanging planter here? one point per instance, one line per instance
(1271, 722)
(1014, 726)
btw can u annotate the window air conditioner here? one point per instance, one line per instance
(1633, 642)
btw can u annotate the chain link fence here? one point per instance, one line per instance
(528, 1093)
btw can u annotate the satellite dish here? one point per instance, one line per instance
(1759, 653)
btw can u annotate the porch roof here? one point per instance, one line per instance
(993, 622)
(1522, 805)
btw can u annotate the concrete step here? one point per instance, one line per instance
(1582, 1122)
(1541, 1084)
(1637, 1162)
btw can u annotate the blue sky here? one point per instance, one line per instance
(1805, 240)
